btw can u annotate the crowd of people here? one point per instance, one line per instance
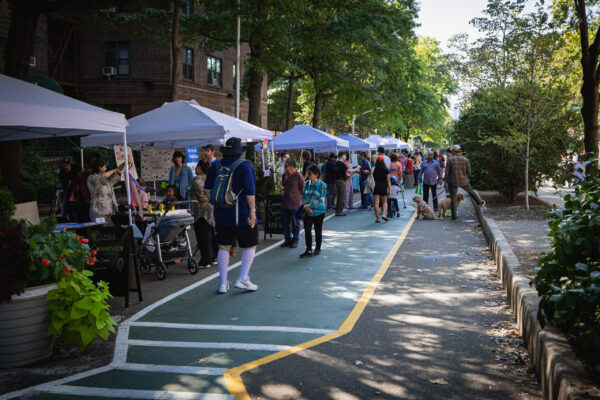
(224, 220)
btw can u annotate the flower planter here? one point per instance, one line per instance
(23, 326)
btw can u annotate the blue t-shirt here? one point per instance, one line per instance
(243, 180)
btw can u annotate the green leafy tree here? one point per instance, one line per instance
(581, 17)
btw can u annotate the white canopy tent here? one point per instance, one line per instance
(182, 123)
(29, 111)
(399, 143)
(379, 141)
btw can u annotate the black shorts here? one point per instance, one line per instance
(245, 236)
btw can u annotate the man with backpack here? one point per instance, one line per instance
(232, 182)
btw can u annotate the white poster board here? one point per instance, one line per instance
(120, 157)
(156, 162)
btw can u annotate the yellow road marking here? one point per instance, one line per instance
(233, 376)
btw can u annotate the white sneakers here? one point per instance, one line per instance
(223, 288)
(246, 285)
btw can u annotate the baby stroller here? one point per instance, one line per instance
(167, 242)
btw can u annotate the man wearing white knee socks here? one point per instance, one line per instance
(237, 222)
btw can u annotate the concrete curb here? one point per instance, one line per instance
(544, 202)
(562, 376)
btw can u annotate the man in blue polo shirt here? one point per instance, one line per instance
(236, 223)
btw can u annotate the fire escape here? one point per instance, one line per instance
(63, 53)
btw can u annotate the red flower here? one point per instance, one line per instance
(45, 262)
(94, 252)
(84, 240)
(67, 270)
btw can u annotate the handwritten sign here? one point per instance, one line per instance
(113, 246)
(273, 223)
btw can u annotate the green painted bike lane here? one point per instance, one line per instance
(180, 347)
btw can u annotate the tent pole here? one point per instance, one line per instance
(127, 187)
(81, 151)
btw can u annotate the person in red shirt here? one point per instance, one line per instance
(409, 179)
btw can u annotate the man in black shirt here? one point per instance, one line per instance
(340, 185)
(329, 179)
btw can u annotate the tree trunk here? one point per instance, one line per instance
(527, 171)
(316, 121)
(290, 103)
(175, 50)
(589, 111)
(19, 47)
(255, 96)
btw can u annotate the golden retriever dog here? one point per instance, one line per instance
(423, 208)
(444, 205)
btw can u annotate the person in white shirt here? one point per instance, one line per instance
(386, 159)
(393, 207)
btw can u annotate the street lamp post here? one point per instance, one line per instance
(354, 116)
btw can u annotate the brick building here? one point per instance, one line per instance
(116, 69)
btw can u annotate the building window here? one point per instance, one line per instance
(116, 54)
(188, 63)
(215, 76)
(188, 8)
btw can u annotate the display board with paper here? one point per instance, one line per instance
(156, 162)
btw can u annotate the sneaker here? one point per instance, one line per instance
(247, 285)
(307, 253)
(293, 245)
(224, 288)
(316, 252)
(286, 243)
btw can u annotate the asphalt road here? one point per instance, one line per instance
(433, 330)
(363, 320)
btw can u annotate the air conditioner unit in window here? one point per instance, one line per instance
(109, 71)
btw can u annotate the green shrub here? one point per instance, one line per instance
(78, 309)
(568, 277)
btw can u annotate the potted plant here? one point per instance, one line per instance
(45, 289)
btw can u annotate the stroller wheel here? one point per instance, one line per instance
(161, 271)
(192, 266)
(144, 266)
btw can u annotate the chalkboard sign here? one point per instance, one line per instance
(273, 222)
(112, 266)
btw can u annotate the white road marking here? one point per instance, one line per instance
(210, 345)
(249, 328)
(174, 369)
(122, 341)
(48, 385)
(136, 394)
